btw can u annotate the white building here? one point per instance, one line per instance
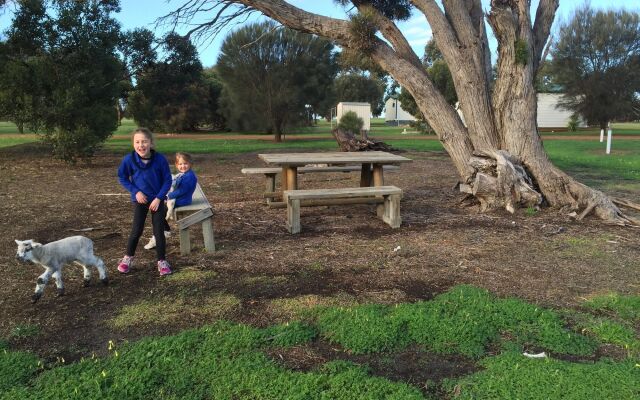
(363, 110)
(549, 114)
(394, 114)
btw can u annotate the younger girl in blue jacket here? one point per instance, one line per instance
(146, 175)
(181, 193)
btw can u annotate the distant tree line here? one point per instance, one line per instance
(69, 73)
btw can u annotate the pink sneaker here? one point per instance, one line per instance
(125, 264)
(164, 268)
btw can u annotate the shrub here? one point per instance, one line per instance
(351, 122)
(573, 123)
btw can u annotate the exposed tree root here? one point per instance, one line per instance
(348, 142)
(501, 181)
(625, 203)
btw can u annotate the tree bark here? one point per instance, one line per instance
(498, 154)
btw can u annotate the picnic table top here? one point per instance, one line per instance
(297, 159)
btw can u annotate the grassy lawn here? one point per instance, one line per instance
(230, 361)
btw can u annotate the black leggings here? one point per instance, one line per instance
(159, 221)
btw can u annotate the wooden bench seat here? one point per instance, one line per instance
(199, 211)
(391, 196)
(271, 172)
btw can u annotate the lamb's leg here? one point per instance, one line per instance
(86, 281)
(99, 264)
(58, 277)
(40, 284)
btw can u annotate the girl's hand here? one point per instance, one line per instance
(155, 204)
(141, 198)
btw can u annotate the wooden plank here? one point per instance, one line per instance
(195, 218)
(185, 242)
(207, 233)
(293, 216)
(341, 192)
(292, 177)
(339, 158)
(302, 170)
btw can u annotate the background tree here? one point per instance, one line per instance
(171, 94)
(360, 87)
(498, 154)
(270, 74)
(62, 56)
(596, 62)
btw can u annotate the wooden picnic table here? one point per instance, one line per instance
(371, 174)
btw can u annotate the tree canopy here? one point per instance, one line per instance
(596, 63)
(61, 76)
(271, 75)
(171, 94)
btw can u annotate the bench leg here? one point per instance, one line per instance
(207, 233)
(365, 175)
(185, 242)
(293, 216)
(270, 185)
(392, 210)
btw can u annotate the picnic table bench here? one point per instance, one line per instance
(199, 211)
(270, 173)
(391, 196)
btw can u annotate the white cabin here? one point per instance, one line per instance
(550, 115)
(363, 110)
(394, 114)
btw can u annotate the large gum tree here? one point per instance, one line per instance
(498, 154)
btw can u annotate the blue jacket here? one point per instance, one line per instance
(153, 178)
(183, 188)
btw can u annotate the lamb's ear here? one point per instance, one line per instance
(17, 241)
(35, 244)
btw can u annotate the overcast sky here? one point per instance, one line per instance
(143, 13)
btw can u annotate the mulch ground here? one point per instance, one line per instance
(546, 258)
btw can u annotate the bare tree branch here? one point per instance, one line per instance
(545, 15)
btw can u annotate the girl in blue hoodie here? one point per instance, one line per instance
(181, 193)
(146, 175)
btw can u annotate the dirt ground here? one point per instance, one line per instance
(546, 258)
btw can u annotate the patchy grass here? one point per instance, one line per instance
(25, 330)
(513, 376)
(191, 275)
(262, 280)
(222, 361)
(465, 320)
(624, 307)
(169, 309)
(227, 360)
(301, 306)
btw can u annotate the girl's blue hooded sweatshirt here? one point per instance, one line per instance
(184, 187)
(153, 178)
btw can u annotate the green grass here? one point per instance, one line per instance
(466, 320)
(229, 361)
(222, 361)
(588, 158)
(624, 307)
(512, 376)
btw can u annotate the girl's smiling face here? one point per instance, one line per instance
(183, 165)
(142, 145)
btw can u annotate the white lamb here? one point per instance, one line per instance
(53, 256)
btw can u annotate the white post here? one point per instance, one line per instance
(601, 135)
(609, 139)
